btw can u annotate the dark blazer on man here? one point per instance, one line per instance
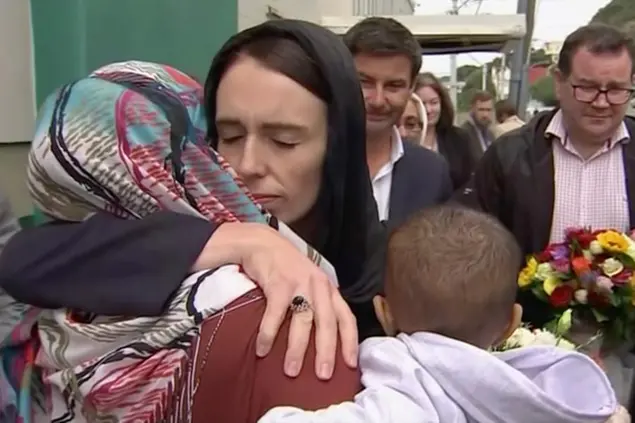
(421, 178)
(475, 141)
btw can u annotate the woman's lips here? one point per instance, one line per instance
(265, 198)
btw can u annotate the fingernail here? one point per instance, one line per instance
(262, 350)
(325, 371)
(352, 361)
(292, 369)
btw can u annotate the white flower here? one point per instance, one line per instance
(543, 337)
(595, 248)
(611, 267)
(581, 296)
(543, 271)
(520, 338)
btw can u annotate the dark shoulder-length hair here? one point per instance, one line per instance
(446, 116)
(318, 60)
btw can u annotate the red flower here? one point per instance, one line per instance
(580, 265)
(561, 296)
(596, 299)
(581, 236)
(543, 256)
(623, 277)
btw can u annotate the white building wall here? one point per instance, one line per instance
(17, 100)
(253, 12)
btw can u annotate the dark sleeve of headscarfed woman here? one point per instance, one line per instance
(41, 266)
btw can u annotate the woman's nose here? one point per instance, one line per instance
(252, 162)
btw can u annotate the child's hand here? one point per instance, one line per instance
(620, 416)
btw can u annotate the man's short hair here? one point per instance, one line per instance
(598, 38)
(504, 108)
(452, 271)
(481, 96)
(384, 36)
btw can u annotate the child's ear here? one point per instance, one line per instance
(382, 311)
(513, 324)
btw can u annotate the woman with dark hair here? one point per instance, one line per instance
(138, 264)
(284, 106)
(441, 134)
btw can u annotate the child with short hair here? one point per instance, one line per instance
(450, 295)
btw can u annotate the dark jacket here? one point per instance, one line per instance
(454, 146)
(474, 140)
(420, 179)
(514, 181)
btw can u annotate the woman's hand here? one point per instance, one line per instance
(283, 272)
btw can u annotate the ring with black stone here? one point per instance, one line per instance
(299, 304)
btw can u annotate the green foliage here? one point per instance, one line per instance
(463, 72)
(472, 76)
(543, 91)
(474, 83)
(618, 13)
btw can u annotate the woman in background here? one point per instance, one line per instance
(441, 134)
(414, 121)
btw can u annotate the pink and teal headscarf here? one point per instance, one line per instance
(129, 140)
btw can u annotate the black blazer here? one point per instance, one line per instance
(454, 146)
(421, 178)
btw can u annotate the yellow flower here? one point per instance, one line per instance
(550, 284)
(613, 242)
(632, 282)
(526, 275)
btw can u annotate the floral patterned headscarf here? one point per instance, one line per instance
(129, 140)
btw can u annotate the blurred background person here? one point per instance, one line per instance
(479, 122)
(441, 135)
(507, 118)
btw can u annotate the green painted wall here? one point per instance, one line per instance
(71, 38)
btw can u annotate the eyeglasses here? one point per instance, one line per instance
(614, 96)
(411, 123)
(413, 126)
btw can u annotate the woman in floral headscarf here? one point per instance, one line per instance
(130, 140)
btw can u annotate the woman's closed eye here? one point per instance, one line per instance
(230, 139)
(284, 144)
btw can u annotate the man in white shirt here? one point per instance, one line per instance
(405, 177)
(571, 167)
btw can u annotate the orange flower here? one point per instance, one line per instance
(580, 265)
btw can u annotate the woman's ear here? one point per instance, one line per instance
(382, 311)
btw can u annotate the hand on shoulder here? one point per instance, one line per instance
(283, 273)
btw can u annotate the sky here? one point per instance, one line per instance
(555, 19)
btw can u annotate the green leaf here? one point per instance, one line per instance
(626, 260)
(599, 317)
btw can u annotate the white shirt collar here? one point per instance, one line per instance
(396, 147)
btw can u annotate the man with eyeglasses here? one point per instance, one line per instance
(571, 167)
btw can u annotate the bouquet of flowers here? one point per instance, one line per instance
(592, 275)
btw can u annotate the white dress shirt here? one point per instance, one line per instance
(382, 181)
